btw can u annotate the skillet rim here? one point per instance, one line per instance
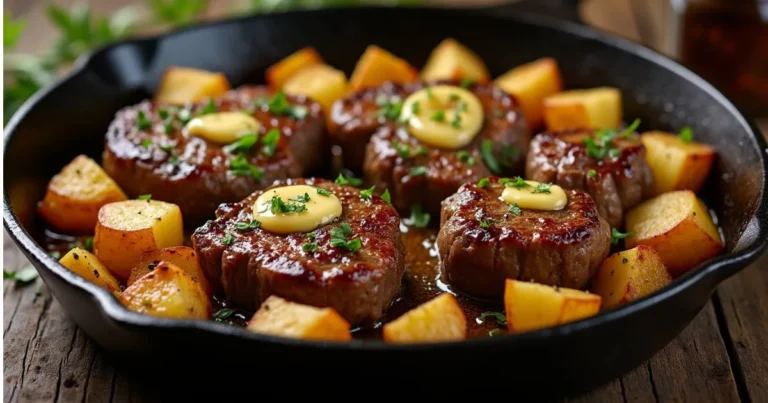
(716, 269)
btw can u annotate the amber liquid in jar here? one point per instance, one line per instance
(726, 42)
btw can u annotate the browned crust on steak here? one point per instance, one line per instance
(619, 183)
(194, 173)
(558, 248)
(359, 285)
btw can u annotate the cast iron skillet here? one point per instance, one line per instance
(71, 117)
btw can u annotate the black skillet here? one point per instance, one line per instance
(70, 117)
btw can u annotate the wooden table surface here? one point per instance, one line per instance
(721, 356)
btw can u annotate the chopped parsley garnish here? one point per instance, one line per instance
(227, 239)
(420, 151)
(269, 142)
(614, 153)
(222, 314)
(495, 332)
(386, 197)
(542, 188)
(415, 108)
(509, 154)
(456, 122)
(339, 237)
(465, 157)
(594, 150)
(166, 147)
(311, 236)
(299, 112)
(462, 107)
(419, 218)
(348, 180)
(245, 226)
(279, 105)
(616, 235)
(438, 116)
(601, 145)
(241, 167)
(210, 107)
(367, 193)
(454, 97)
(244, 144)
(277, 206)
(686, 134)
(142, 121)
(483, 183)
(591, 173)
(185, 115)
(168, 128)
(518, 183)
(145, 197)
(88, 243)
(323, 192)
(402, 149)
(173, 160)
(497, 113)
(629, 131)
(486, 151)
(515, 209)
(390, 108)
(466, 83)
(484, 224)
(309, 247)
(146, 143)
(428, 90)
(163, 113)
(499, 317)
(24, 276)
(300, 198)
(418, 171)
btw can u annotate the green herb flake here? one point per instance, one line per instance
(465, 157)
(616, 235)
(402, 149)
(486, 151)
(145, 197)
(163, 113)
(483, 183)
(348, 180)
(166, 147)
(495, 332)
(515, 209)
(222, 314)
(367, 193)
(454, 97)
(518, 183)
(269, 142)
(278, 206)
(309, 247)
(88, 243)
(25, 276)
(542, 188)
(241, 167)
(323, 192)
(390, 109)
(246, 226)
(146, 143)
(386, 197)
(227, 239)
(210, 107)
(415, 108)
(438, 115)
(168, 128)
(419, 218)
(300, 198)
(498, 317)
(244, 144)
(498, 113)
(419, 170)
(456, 122)
(466, 83)
(686, 134)
(630, 130)
(142, 121)
(484, 224)
(591, 173)
(339, 237)
(184, 115)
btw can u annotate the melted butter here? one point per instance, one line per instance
(222, 127)
(318, 209)
(443, 116)
(534, 196)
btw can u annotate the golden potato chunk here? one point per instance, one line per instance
(440, 319)
(530, 84)
(320, 82)
(451, 60)
(88, 266)
(182, 256)
(377, 66)
(75, 195)
(280, 72)
(678, 226)
(167, 291)
(129, 228)
(181, 85)
(629, 275)
(279, 317)
(595, 108)
(677, 164)
(531, 306)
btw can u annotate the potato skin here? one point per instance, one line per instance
(629, 275)
(377, 66)
(182, 256)
(167, 291)
(531, 83)
(279, 73)
(451, 60)
(88, 266)
(129, 228)
(181, 85)
(439, 319)
(677, 165)
(280, 317)
(678, 226)
(75, 195)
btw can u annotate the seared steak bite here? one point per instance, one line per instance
(484, 240)
(611, 166)
(327, 267)
(148, 150)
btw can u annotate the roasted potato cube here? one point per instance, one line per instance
(167, 291)
(451, 60)
(181, 85)
(531, 306)
(440, 319)
(678, 225)
(320, 82)
(129, 228)
(76, 194)
(377, 66)
(530, 84)
(280, 72)
(677, 165)
(88, 266)
(182, 256)
(279, 317)
(629, 275)
(595, 108)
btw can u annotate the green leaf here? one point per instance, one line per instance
(419, 218)
(244, 144)
(499, 317)
(483, 183)
(515, 209)
(12, 30)
(486, 151)
(542, 188)
(24, 276)
(348, 180)
(177, 12)
(616, 235)
(386, 197)
(367, 193)
(222, 314)
(686, 134)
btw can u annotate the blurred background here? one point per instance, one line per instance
(726, 41)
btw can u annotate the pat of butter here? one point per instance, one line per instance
(535, 196)
(443, 116)
(222, 127)
(308, 209)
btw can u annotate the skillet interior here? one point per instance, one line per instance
(72, 117)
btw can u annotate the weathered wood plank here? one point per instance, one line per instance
(637, 386)
(744, 302)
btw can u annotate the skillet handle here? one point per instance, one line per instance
(562, 9)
